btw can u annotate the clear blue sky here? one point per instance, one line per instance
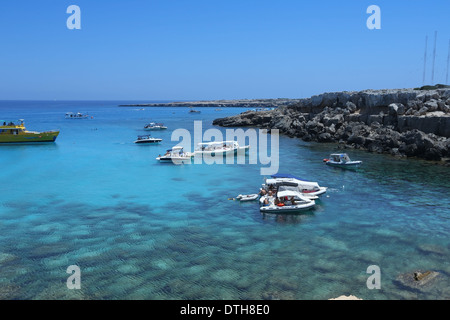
(210, 49)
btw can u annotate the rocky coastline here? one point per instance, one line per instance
(400, 122)
(243, 103)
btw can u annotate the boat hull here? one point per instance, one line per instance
(155, 128)
(346, 165)
(147, 141)
(287, 209)
(29, 137)
(234, 151)
(175, 160)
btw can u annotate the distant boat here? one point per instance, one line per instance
(176, 155)
(342, 160)
(219, 148)
(11, 132)
(247, 197)
(78, 115)
(194, 111)
(147, 139)
(155, 126)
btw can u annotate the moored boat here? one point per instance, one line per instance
(247, 197)
(306, 188)
(78, 115)
(15, 132)
(220, 148)
(176, 155)
(147, 139)
(285, 201)
(155, 126)
(342, 160)
(194, 111)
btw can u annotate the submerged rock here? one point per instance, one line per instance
(419, 279)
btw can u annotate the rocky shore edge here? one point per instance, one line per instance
(400, 122)
(243, 103)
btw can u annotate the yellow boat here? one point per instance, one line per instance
(11, 132)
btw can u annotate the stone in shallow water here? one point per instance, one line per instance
(226, 275)
(432, 249)
(277, 295)
(9, 292)
(419, 279)
(129, 269)
(6, 257)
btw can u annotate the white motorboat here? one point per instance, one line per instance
(154, 126)
(220, 147)
(147, 139)
(285, 201)
(307, 188)
(342, 160)
(247, 197)
(176, 155)
(78, 115)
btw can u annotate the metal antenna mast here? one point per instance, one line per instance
(434, 58)
(425, 60)
(448, 62)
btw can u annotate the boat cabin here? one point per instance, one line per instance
(340, 157)
(11, 127)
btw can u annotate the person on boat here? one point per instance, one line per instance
(280, 202)
(263, 192)
(293, 201)
(266, 202)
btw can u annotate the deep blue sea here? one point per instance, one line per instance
(139, 229)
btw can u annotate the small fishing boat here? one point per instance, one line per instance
(176, 155)
(220, 148)
(342, 160)
(308, 189)
(154, 126)
(286, 201)
(14, 132)
(194, 111)
(247, 197)
(78, 115)
(147, 139)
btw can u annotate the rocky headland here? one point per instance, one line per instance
(401, 122)
(243, 103)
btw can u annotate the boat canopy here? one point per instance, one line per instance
(293, 182)
(290, 187)
(285, 175)
(215, 142)
(339, 156)
(288, 193)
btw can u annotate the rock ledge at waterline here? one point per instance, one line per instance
(402, 122)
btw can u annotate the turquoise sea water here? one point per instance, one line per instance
(139, 229)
